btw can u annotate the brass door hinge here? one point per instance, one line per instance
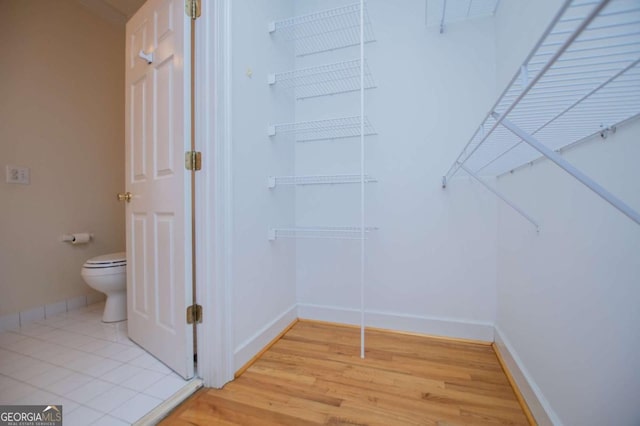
(193, 160)
(194, 314)
(192, 8)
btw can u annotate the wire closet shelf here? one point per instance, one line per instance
(329, 79)
(324, 30)
(320, 232)
(316, 130)
(317, 32)
(581, 79)
(274, 181)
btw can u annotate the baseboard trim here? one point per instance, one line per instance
(401, 333)
(257, 356)
(251, 349)
(514, 386)
(16, 320)
(452, 328)
(536, 404)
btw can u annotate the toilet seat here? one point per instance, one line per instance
(113, 260)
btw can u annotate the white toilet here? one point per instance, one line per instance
(108, 274)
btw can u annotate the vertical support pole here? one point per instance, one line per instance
(362, 199)
(569, 168)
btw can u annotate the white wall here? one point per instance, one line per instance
(62, 109)
(567, 298)
(263, 272)
(431, 265)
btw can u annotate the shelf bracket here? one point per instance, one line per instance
(442, 18)
(501, 196)
(569, 168)
(606, 130)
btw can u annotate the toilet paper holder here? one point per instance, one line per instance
(77, 238)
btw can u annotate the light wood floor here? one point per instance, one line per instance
(314, 376)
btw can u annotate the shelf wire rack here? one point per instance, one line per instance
(320, 232)
(274, 181)
(334, 128)
(581, 79)
(593, 85)
(329, 79)
(324, 30)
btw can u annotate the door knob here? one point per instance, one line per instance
(125, 197)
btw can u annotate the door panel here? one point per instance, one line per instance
(138, 133)
(164, 143)
(159, 275)
(136, 261)
(166, 279)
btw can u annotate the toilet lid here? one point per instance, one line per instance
(107, 261)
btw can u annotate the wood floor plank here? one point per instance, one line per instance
(311, 393)
(477, 387)
(244, 413)
(314, 376)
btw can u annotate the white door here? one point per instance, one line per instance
(158, 224)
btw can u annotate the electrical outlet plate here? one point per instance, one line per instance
(19, 175)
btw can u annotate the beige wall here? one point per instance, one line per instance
(61, 115)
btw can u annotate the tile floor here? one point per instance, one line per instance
(98, 375)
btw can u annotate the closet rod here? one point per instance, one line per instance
(569, 168)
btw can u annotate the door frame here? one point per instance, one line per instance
(213, 192)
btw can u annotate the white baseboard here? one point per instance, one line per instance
(446, 327)
(20, 319)
(538, 404)
(250, 347)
